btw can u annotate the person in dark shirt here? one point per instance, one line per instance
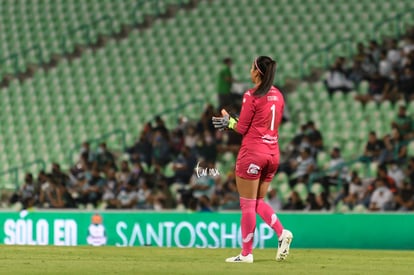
(406, 85)
(294, 202)
(374, 148)
(315, 136)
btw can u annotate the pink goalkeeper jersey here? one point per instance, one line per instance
(259, 120)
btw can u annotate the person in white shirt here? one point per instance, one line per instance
(385, 67)
(381, 198)
(336, 79)
(303, 166)
(396, 173)
(394, 54)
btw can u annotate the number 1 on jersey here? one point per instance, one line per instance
(272, 124)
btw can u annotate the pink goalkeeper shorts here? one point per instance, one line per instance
(255, 165)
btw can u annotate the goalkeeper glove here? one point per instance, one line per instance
(225, 121)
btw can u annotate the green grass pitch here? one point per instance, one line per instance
(151, 260)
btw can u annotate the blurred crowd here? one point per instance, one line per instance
(380, 179)
(163, 169)
(191, 167)
(184, 169)
(388, 69)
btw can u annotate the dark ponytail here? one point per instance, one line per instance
(267, 69)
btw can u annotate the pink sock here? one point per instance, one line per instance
(268, 215)
(248, 224)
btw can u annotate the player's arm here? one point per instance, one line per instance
(246, 114)
(225, 121)
(240, 125)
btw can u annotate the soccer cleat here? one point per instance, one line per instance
(240, 259)
(284, 244)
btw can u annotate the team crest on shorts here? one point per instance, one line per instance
(253, 169)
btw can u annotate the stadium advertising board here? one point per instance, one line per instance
(203, 230)
(128, 229)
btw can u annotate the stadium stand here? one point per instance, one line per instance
(171, 65)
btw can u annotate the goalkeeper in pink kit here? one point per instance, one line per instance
(258, 157)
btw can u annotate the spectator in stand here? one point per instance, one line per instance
(389, 182)
(92, 188)
(161, 196)
(402, 122)
(394, 53)
(369, 66)
(307, 143)
(205, 121)
(58, 175)
(315, 138)
(144, 196)
(191, 137)
(147, 131)
(405, 198)
(382, 197)
(27, 193)
(293, 149)
(385, 66)
(51, 195)
(408, 45)
(124, 173)
(136, 174)
(409, 60)
(203, 181)
(392, 87)
(356, 191)
(141, 151)
(317, 202)
(176, 141)
(111, 187)
(183, 167)
(365, 60)
(406, 86)
(395, 147)
(127, 197)
(337, 171)
(204, 204)
(409, 170)
(63, 183)
(376, 89)
(86, 150)
(273, 200)
(77, 172)
(161, 128)
(224, 83)
(336, 79)
(374, 50)
(104, 157)
(206, 147)
(294, 202)
(374, 148)
(182, 123)
(302, 167)
(160, 149)
(396, 173)
(356, 73)
(229, 197)
(360, 53)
